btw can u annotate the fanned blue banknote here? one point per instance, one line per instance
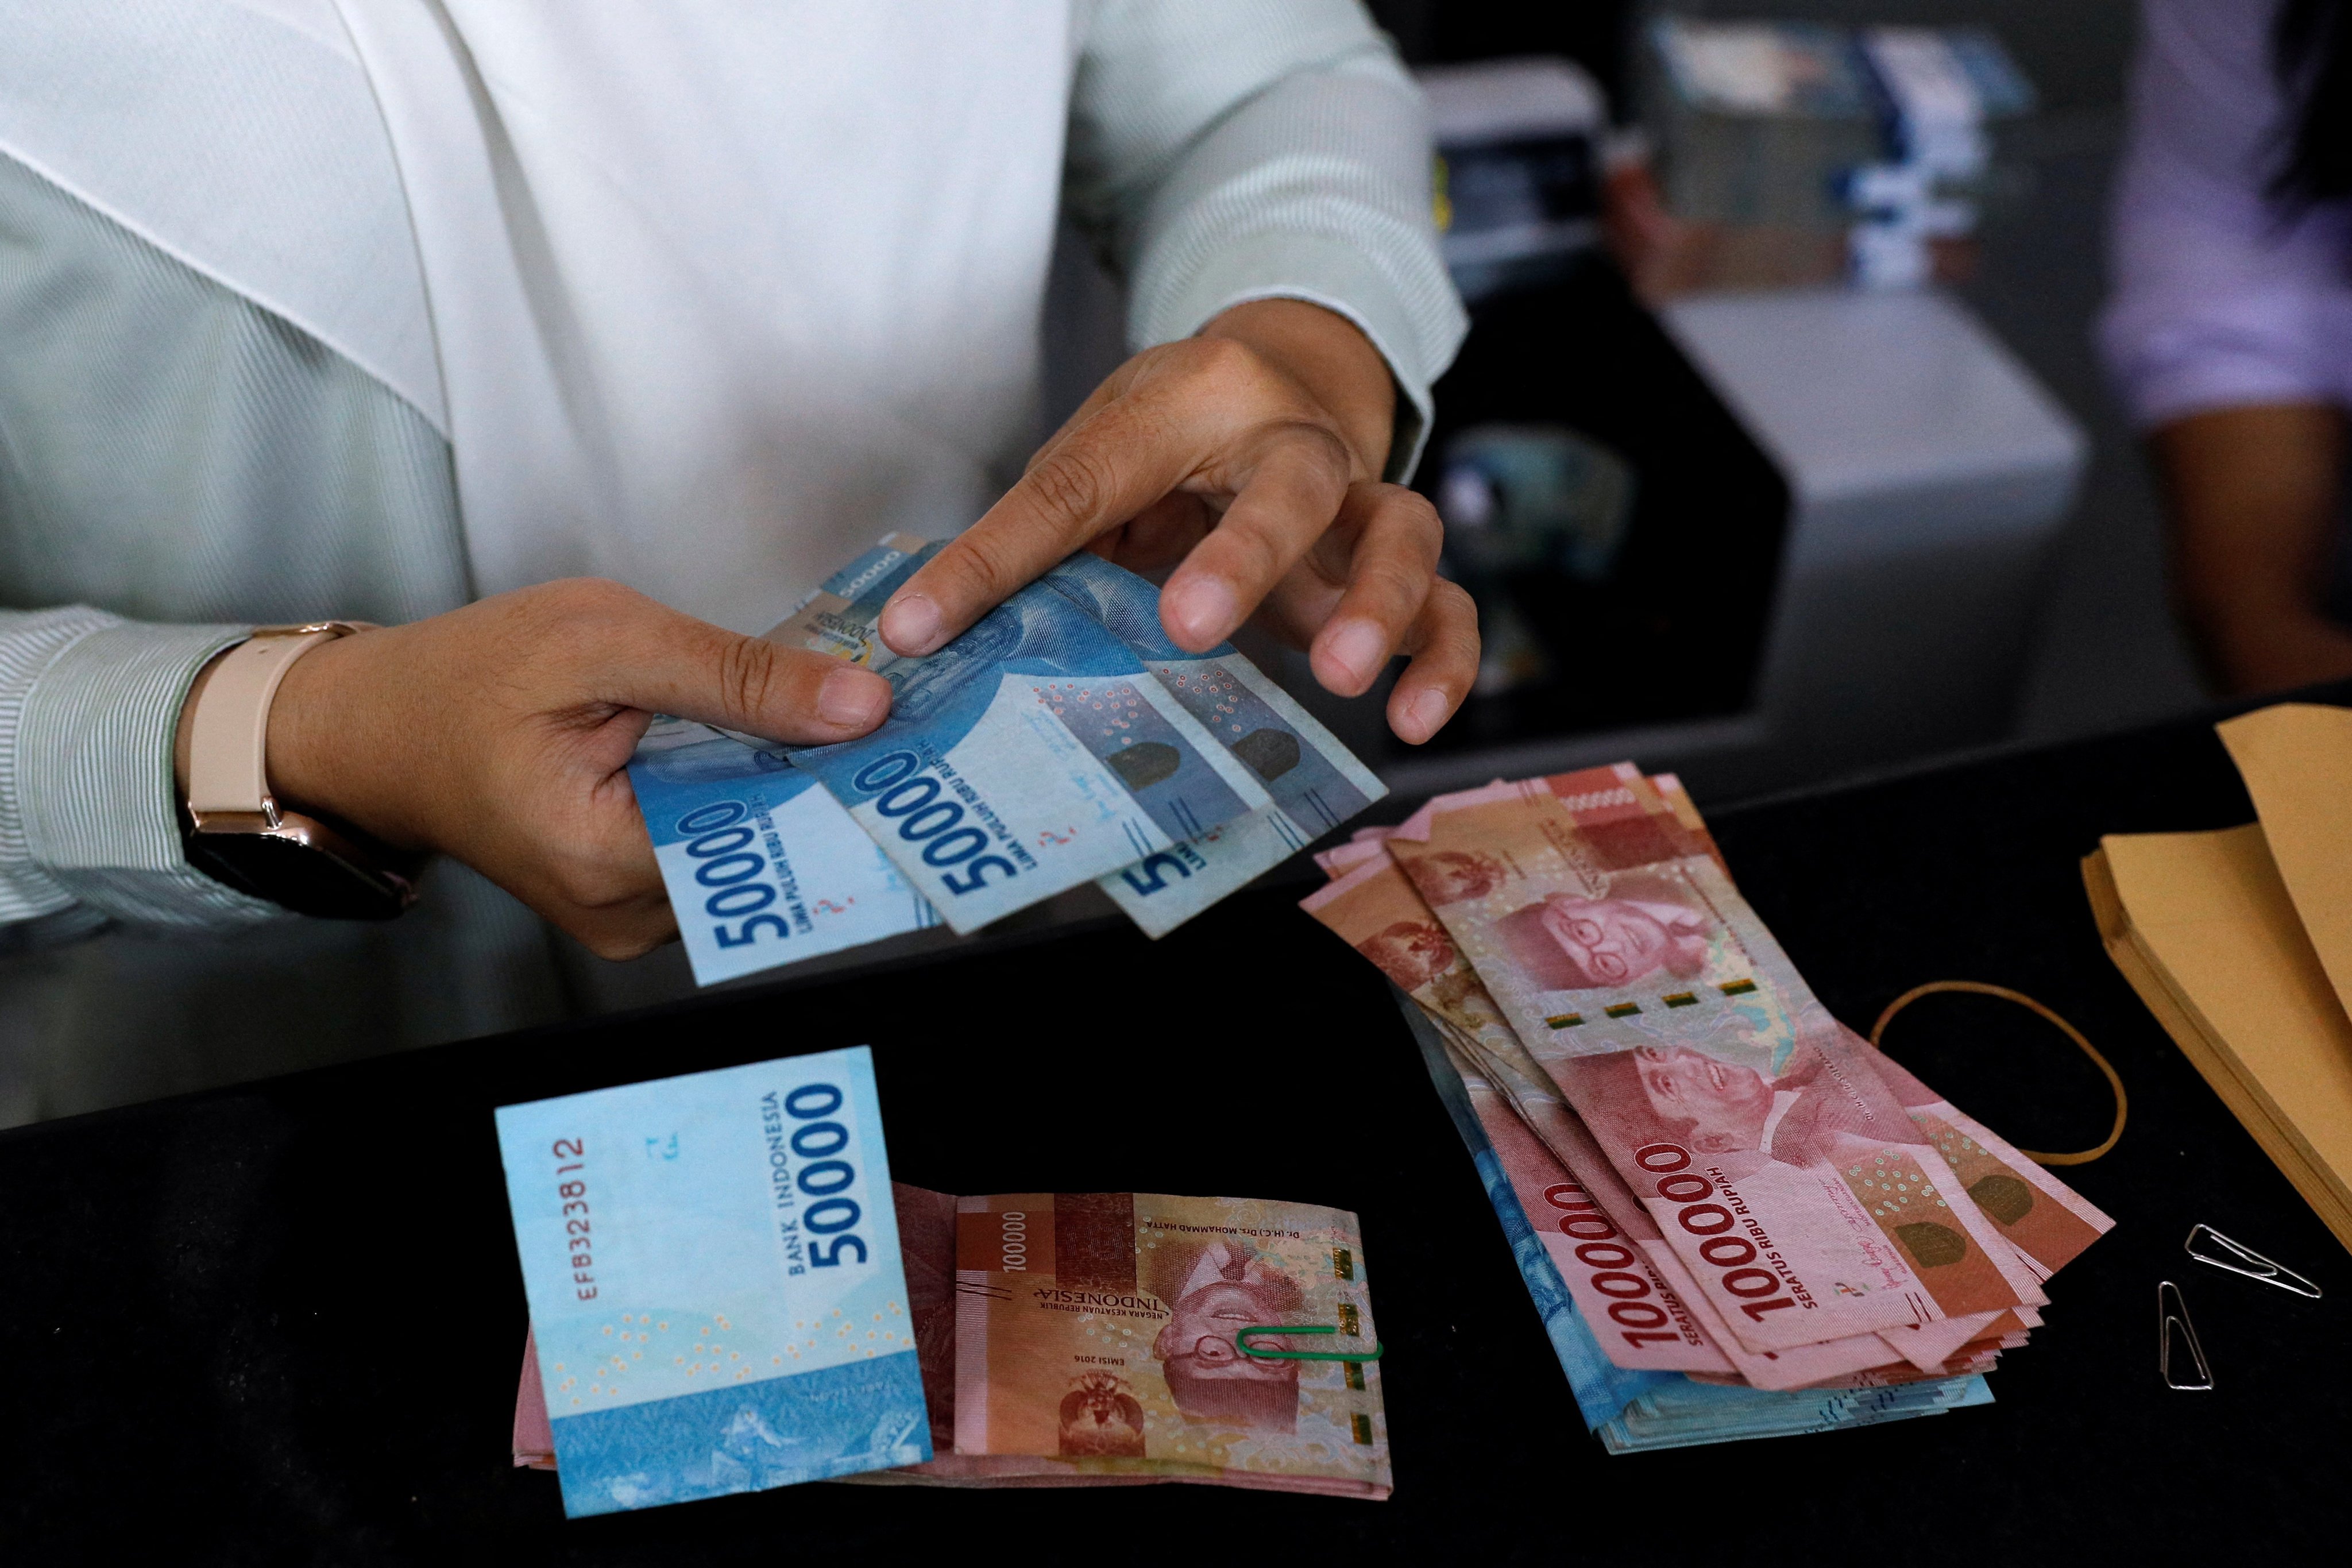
(1033, 754)
(763, 866)
(1316, 782)
(1062, 739)
(715, 1283)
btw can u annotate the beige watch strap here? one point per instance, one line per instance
(228, 733)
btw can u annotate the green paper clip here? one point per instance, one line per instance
(1242, 1340)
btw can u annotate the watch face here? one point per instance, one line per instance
(300, 867)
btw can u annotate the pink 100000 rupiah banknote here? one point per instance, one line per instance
(1605, 929)
(1105, 1329)
(1792, 1185)
(1647, 1309)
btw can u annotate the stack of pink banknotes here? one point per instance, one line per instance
(1732, 1185)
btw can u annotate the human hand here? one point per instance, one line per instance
(2254, 495)
(1251, 454)
(500, 733)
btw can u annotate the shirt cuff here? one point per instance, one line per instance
(1318, 189)
(1321, 272)
(93, 777)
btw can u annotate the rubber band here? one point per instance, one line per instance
(1977, 987)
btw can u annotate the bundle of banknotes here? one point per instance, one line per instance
(729, 1294)
(1060, 741)
(1737, 1217)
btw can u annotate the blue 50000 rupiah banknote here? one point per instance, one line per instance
(1061, 739)
(714, 1275)
(1033, 752)
(1317, 783)
(761, 865)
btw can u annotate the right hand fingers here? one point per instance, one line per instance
(1388, 577)
(1122, 458)
(1371, 590)
(1295, 490)
(1443, 644)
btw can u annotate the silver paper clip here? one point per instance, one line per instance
(2172, 1314)
(2245, 1260)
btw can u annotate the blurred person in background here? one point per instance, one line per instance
(572, 343)
(2230, 330)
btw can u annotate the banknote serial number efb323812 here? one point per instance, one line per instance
(575, 1194)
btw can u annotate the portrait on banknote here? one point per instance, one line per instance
(1640, 925)
(1213, 1291)
(1723, 1109)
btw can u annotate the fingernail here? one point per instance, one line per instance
(911, 624)
(1359, 646)
(853, 698)
(1203, 609)
(1427, 712)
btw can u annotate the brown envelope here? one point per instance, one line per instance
(2203, 928)
(2240, 942)
(2296, 760)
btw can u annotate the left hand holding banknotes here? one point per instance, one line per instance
(1251, 454)
(500, 733)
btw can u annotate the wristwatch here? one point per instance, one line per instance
(237, 833)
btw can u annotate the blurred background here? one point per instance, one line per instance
(1779, 450)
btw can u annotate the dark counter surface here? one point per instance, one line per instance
(282, 1323)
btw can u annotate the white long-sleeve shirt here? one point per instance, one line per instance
(2222, 297)
(208, 423)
